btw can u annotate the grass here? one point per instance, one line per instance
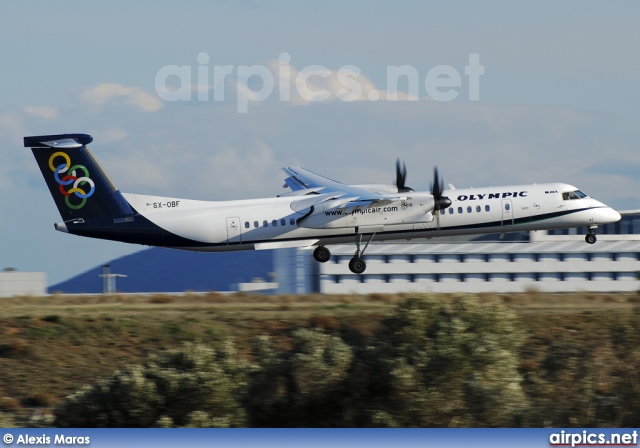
(52, 346)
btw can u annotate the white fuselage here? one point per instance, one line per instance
(288, 222)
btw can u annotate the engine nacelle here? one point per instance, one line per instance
(416, 208)
(379, 188)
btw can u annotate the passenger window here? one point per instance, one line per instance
(487, 208)
(256, 224)
(246, 224)
(478, 208)
(283, 222)
(274, 222)
(292, 221)
(459, 209)
(507, 206)
(451, 210)
(469, 209)
(265, 223)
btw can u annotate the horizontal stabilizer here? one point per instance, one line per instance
(57, 141)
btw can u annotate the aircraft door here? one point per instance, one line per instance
(507, 212)
(234, 231)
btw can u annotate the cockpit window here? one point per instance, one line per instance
(573, 195)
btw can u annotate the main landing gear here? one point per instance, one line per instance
(591, 236)
(322, 254)
(356, 264)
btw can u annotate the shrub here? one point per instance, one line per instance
(9, 404)
(38, 399)
(14, 348)
(324, 322)
(304, 386)
(161, 299)
(432, 365)
(167, 390)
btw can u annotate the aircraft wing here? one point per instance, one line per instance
(345, 195)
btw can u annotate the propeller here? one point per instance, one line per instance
(440, 202)
(401, 177)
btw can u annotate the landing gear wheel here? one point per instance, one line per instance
(590, 238)
(322, 254)
(357, 265)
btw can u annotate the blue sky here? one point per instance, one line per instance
(558, 101)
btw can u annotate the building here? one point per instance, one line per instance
(557, 261)
(14, 283)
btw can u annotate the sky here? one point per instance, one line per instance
(557, 100)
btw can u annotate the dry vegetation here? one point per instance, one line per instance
(52, 346)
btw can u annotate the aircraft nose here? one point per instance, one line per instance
(609, 215)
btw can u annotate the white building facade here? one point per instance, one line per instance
(486, 267)
(558, 261)
(14, 283)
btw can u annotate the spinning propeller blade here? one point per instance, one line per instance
(401, 177)
(440, 202)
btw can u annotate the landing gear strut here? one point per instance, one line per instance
(322, 254)
(591, 236)
(357, 264)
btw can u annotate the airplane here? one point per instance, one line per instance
(316, 212)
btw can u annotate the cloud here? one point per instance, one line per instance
(318, 84)
(46, 112)
(242, 172)
(223, 171)
(107, 93)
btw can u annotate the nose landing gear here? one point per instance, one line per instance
(591, 236)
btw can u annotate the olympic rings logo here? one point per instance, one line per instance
(71, 178)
